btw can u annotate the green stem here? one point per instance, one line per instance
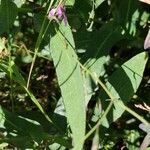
(41, 109)
(37, 104)
(10, 70)
(134, 114)
(11, 81)
(38, 42)
(10, 73)
(29, 51)
(100, 120)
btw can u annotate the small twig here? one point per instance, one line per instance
(38, 42)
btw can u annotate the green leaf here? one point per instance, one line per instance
(98, 2)
(38, 20)
(8, 13)
(70, 81)
(123, 10)
(2, 45)
(26, 59)
(17, 77)
(96, 46)
(19, 3)
(3, 145)
(101, 42)
(89, 87)
(82, 9)
(24, 127)
(144, 18)
(22, 131)
(69, 2)
(124, 82)
(126, 13)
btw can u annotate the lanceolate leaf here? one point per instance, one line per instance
(125, 81)
(8, 13)
(70, 81)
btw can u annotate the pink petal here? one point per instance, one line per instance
(60, 11)
(52, 13)
(147, 41)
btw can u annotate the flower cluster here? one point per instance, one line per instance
(58, 14)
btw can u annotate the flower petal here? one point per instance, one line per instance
(52, 13)
(147, 41)
(60, 11)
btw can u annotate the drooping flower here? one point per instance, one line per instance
(58, 13)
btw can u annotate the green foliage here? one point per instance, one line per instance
(109, 35)
(8, 11)
(17, 77)
(124, 82)
(23, 132)
(98, 2)
(70, 81)
(69, 73)
(70, 2)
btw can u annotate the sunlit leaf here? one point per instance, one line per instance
(19, 3)
(98, 2)
(69, 2)
(124, 82)
(70, 81)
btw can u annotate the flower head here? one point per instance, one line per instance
(58, 14)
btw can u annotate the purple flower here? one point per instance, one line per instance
(52, 13)
(58, 13)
